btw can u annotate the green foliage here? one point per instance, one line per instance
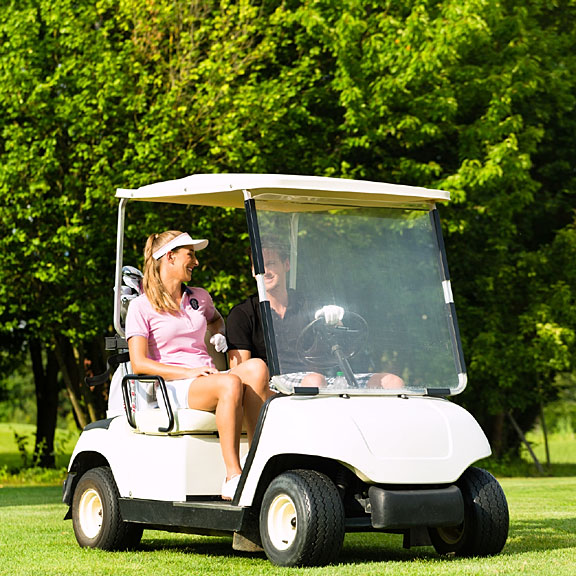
(476, 98)
(17, 453)
(17, 402)
(22, 442)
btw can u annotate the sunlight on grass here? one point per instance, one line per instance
(542, 537)
(542, 541)
(16, 462)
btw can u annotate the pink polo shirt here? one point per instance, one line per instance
(175, 339)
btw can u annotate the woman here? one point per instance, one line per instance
(165, 329)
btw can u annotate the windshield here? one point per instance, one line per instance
(358, 302)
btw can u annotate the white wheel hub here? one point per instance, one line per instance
(90, 513)
(282, 522)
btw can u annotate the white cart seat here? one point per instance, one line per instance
(186, 421)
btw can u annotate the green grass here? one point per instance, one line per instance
(562, 447)
(34, 539)
(10, 454)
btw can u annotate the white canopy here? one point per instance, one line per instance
(281, 191)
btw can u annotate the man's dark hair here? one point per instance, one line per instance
(277, 245)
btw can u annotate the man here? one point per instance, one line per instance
(291, 313)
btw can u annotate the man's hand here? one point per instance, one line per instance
(331, 314)
(219, 342)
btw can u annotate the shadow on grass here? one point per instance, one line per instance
(354, 552)
(366, 548)
(357, 549)
(520, 468)
(537, 535)
(525, 536)
(561, 470)
(31, 496)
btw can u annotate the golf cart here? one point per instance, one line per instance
(351, 455)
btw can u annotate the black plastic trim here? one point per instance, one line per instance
(269, 341)
(254, 233)
(402, 509)
(68, 488)
(206, 515)
(116, 343)
(438, 392)
(454, 328)
(456, 335)
(103, 424)
(258, 264)
(111, 364)
(306, 390)
(436, 224)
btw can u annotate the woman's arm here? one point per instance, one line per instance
(216, 325)
(217, 328)
(141, 364)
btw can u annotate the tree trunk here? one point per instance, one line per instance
(46, 386)
(88, 406)
(496, 436)
(63, 350)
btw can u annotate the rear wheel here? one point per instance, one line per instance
(302, 519)
(486, 520)
(96, 513)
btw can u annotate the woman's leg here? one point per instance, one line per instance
(254, 376)
(222, 393)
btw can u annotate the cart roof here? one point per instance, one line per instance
(282, 191)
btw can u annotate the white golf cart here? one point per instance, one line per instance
(347, 456)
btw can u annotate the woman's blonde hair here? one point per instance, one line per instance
(152, 283)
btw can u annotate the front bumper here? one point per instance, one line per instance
(404, 509)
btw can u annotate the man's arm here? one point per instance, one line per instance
(239, 328)
(236, 357)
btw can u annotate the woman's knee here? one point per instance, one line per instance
(230, 386)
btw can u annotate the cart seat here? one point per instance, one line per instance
(186, 421)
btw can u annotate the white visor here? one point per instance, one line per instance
(182, 240)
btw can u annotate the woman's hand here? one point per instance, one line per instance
(202, 371)
(141, 364)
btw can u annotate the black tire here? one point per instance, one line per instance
(96, 514)
(486, 520)
(302, 519)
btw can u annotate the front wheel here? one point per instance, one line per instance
(302, 519)
(96, 513)
(486, 519)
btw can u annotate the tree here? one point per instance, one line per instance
(77, 108)
(476, 98)
(59, 132)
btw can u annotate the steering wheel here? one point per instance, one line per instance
(324, 345)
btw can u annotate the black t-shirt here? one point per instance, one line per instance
(244, 330)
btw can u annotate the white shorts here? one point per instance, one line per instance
(177, 392)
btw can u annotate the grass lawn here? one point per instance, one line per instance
(562, 448)
(10, 455)
(34, 539)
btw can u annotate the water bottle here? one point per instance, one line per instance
(340, 381)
